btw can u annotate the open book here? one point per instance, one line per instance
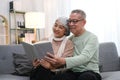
(37, 50)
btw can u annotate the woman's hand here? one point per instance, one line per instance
(42, 62)
(46, 64)
(36, 63)
(54, 60)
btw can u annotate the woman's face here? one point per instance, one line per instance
(58, 29)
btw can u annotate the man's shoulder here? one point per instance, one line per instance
(91, 34)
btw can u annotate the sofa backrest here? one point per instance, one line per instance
(6, 57)
(108, 57)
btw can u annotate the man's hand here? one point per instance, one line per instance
(54, 60)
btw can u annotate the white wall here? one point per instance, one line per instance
(22, 5)
(4, 8)
(53, 10)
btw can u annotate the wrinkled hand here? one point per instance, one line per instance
(46, 64)
(54, 60)
(36, 63)
(42, 62)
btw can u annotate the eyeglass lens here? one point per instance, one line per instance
(74, 21)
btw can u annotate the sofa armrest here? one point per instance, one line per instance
(119, 62)
(108, 57)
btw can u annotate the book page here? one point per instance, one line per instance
(43, 48)
(37, 50)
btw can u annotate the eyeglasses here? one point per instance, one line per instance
(74, 21)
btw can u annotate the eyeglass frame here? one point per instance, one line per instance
(74, 21)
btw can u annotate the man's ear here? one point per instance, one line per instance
(84, 22)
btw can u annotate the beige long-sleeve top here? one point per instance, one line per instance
(68, 51)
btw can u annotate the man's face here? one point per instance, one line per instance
(76, 23)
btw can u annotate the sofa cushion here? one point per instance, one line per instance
(108, 55)
(6, 64)
(6, 57)
(23, 65)
(13, 77)
(114, 75)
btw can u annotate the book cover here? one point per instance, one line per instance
(37, 50)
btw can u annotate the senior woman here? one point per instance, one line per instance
(62, 47)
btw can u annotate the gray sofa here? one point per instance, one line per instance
(109, 62)
(7, 66)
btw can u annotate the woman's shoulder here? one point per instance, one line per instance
(69, 41)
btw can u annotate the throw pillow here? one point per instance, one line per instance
(23, 65)
(100, 67)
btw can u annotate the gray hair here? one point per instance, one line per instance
(81, 12)
(63, 21)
